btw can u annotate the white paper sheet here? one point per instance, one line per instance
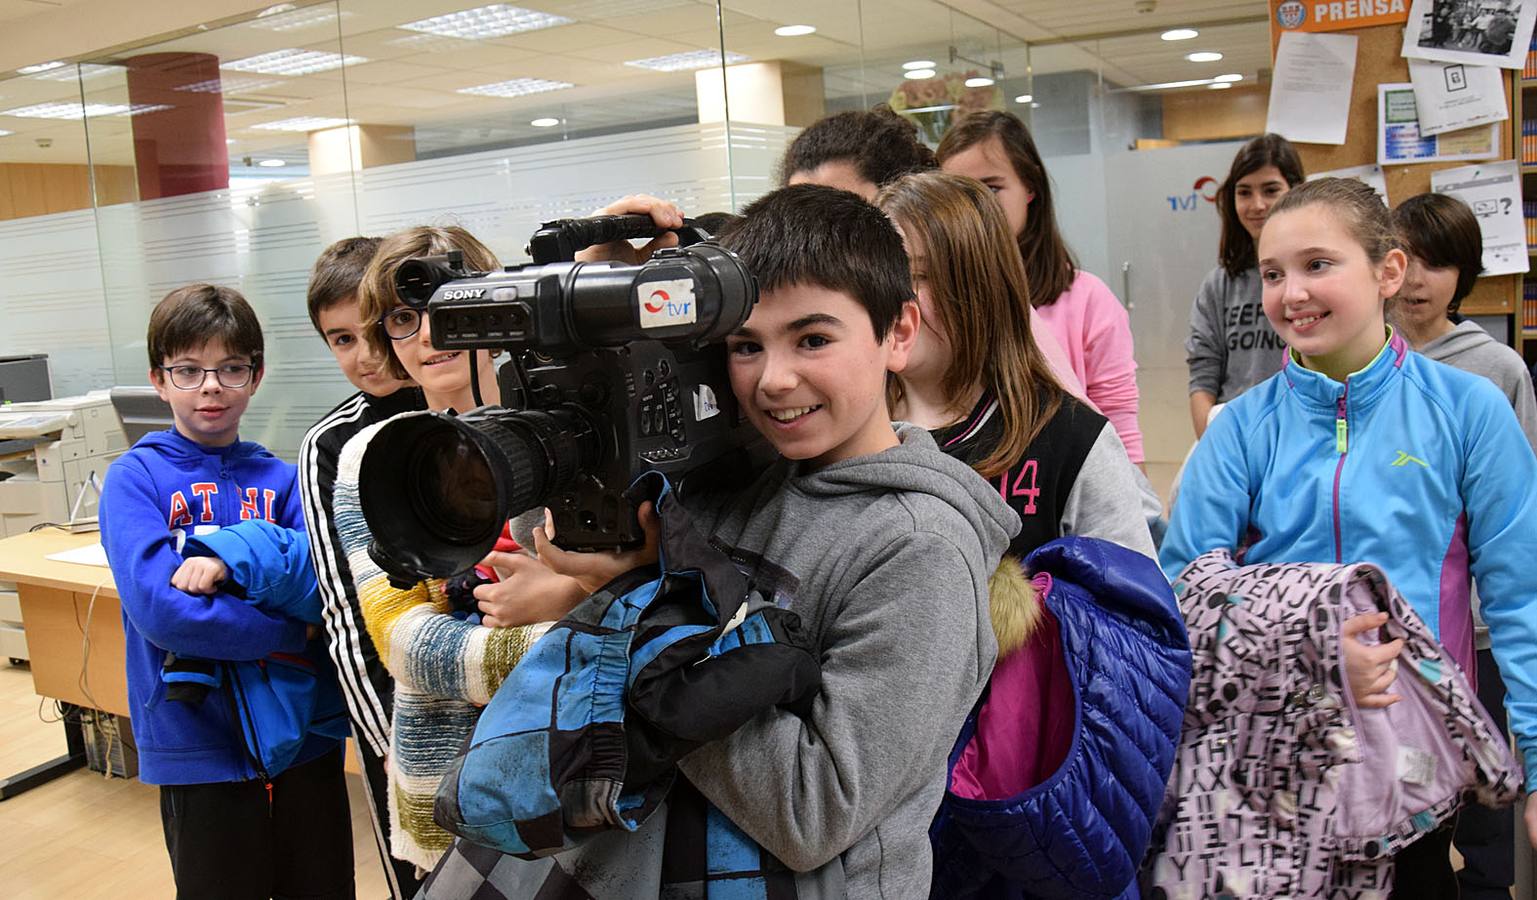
(1371, 174)
(1310, 89)
(89, 555)
(1493, 192)
(1399, 140)
(1478, 32)
(1453, 96)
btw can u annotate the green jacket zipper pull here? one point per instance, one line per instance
(1341, 432)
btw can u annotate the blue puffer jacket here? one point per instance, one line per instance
(1120, 650)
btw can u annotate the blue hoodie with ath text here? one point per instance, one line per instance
(157, 495)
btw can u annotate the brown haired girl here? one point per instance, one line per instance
(1232, 346)
(1077, 308)
(977, 380)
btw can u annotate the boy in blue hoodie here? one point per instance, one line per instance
(233, 829)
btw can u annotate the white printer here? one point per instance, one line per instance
(51, 450)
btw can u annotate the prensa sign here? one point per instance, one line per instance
(1334, 15)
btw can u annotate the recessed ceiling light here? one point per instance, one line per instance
(271, 163)
(919, 74)
(76, 111)
(229, 140)
(545, 122)
(40, 67)
(292, 61)
(3, 132)
(1024, 98)
(484, 22)
(302, 123)
(1230, 77)
(277, 18)
(919, 64)
(795, 30)
(1219, 85)
(979, 81)
(517, 87)
(1204, 56)
(1180, 34)
(682, 62)
(82, 72)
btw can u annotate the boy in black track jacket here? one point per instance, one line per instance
(367, 686)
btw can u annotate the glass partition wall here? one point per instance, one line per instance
(236, 152)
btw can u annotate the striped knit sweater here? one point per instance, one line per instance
(445, 670)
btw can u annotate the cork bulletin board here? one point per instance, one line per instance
(1378, 61)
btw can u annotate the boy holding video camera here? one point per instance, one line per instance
(882, 544)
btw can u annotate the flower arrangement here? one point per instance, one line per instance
(934, 104)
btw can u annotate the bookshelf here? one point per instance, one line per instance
(1524, 113)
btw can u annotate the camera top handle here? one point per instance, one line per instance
(562, 239)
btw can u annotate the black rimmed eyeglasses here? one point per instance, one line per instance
(191, 378)
(401, 322)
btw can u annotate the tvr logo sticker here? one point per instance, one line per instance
(664, 303)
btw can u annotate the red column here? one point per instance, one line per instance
(179, 149)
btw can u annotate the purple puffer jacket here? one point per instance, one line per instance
(1282, 786)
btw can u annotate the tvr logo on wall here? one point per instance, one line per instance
(664, 303)
(1205, 188)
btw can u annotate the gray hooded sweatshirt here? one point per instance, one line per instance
(889, 556)
(1471, 349)
(886, 558)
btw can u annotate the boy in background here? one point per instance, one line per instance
(230, 832)
(366, 684)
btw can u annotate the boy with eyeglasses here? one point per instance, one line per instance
(233, 829)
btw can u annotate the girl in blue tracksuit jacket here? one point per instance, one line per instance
(1359, 450)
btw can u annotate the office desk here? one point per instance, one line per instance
(74, 638)
(62, 605)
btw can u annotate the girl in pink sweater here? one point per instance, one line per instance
(1075, 307)
(861, 151)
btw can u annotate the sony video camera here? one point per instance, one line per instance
(611, 374)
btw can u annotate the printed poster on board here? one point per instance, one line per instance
(1477, 32)
(1333, 15)
(1399, 139)
(1493, 192)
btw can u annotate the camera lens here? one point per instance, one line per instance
(452, 486)
(438, 489)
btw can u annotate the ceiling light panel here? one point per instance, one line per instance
(1202, 56)
(70, 73)
(294, 19)
(483, 22)
(301, 123)
(795, 30)
(40, 67)
(77, 111)
(3, 132)
(517, 87)
(292, 61)
(683, 62)
(1180, 34)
